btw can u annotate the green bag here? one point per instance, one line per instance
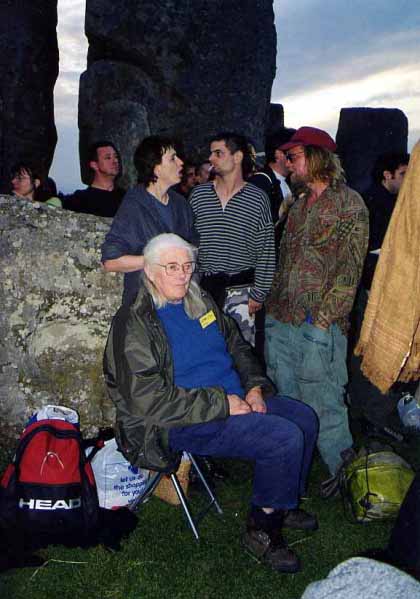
(374, 485)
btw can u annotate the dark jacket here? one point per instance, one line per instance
(266, 180)
(138, 368)
(380, 203)
(94, 201)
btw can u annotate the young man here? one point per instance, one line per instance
(388, 175)
(321, 258)
(273, 179)
(377, 412)
(102, 197)
(188, 180)
(233, 219)
(202, 172)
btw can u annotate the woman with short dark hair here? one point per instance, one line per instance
(148, 209)
(25, 181)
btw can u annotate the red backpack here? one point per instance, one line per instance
(49, 488)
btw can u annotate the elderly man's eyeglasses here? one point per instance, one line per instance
(173, 268)
(290, 156)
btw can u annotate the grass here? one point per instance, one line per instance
(161, 559)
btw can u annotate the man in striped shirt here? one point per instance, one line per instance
(233, 219)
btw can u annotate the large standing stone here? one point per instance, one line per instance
(28, 71)
(275, 120)
(187, 68)
(365, 133)
(56, 306)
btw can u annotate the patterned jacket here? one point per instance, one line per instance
(321, 259)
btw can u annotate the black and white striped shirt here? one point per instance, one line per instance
(238, 237)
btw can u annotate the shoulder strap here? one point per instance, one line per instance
(265, 175)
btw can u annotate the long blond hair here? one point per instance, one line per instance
(324, 166)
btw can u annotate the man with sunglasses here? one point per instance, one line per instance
(321, 258)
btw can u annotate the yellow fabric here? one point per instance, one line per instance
(390, 336)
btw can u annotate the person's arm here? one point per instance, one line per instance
(135, 374)
(120, 250)
(125, 263)
(353, 235)
(245, 362)
(266, 256)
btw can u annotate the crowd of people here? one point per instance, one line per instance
(239, 284)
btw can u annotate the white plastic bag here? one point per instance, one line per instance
(55, 413)
(117, 481)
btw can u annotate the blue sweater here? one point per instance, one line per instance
(199, 352)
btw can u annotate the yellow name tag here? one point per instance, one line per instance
(207, 319)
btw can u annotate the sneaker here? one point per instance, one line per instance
(276, 554)
(300, 520)
(331, 486)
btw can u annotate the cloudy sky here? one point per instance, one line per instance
(330, 54)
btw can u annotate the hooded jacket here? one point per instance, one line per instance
(139, 375)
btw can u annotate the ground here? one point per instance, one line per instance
(162, 559)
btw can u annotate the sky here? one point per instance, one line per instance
(331, 54)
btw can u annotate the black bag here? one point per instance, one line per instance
(404, 546)
(49, 490)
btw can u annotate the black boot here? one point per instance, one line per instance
(264, 540)
(300, 520)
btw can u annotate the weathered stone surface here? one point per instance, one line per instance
(28, 70)
(56, 307)
(187, 69)
(365, 133)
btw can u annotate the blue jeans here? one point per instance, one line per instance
(281, 444)
(309, 364)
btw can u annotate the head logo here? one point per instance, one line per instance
(49, 504)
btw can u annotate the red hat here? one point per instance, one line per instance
(310, 136)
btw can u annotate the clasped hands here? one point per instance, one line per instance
(253, 402)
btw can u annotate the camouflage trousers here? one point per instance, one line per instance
(236, 306)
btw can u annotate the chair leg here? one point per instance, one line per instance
(205, 484)
(152, 483)
(185, 506)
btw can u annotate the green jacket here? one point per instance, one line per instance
(138, 369)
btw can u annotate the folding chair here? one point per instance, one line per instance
(192, 521)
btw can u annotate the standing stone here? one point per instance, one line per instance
(188, 69)
(365, 133)
(56, 307)
(28, 71)
(275, 119)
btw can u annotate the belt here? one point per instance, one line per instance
(244, 277)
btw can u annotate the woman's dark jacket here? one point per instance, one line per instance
(138, 369)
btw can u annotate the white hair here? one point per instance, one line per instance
(193, 302)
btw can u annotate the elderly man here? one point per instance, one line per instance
(182, 378)
(321, 259)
